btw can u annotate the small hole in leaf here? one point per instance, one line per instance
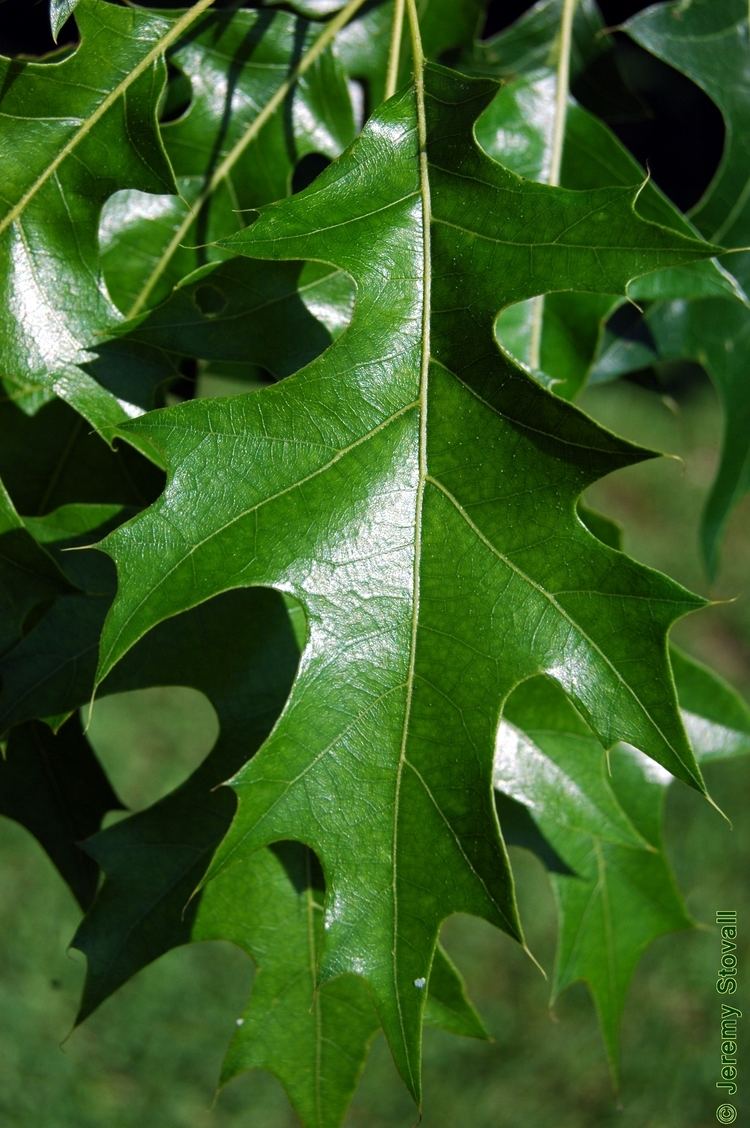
(307, 169)
(210, 300)
(177, 96)
(231, 378)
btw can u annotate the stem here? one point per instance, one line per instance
(230, 160)
(558, 140)
(394, 51)
(561, 92)
(424, 185)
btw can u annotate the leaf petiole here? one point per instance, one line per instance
(394, 52)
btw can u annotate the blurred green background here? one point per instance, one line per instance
(151, 1054)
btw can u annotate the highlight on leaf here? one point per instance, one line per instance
(298, 298)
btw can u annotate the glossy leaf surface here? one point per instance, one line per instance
(518, 130)
(60, 12)
(228, 152)
(364, 45)
(457, 655)
(709, 42)
(427, 463)
(74, 131)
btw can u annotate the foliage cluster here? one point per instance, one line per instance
(297, 298)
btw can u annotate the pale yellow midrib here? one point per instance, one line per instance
(158, 49)
(424, 188)
(557, 142)
(394, 51)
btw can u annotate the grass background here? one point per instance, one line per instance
(150, 1055)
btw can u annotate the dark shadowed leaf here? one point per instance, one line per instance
(55, 787)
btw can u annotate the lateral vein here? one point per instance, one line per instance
(164, 42)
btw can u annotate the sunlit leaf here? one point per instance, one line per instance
(75, 131)
(410, 487)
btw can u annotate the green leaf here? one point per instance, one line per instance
(547, 758)
(365, 44)
(621, 895)
(517, 129)
(605, 819)
(408, 536)
(317, 1040)
(50, 670)
(60, 12)
(75, 131)
(708, 41)
(277, 316)
(716, 334)
(716, 718)
(264, 93)
(593, 157)
(52, 457)
(619, 355)
(28, 575)
(314, 1039)
(55, 787)
(531, 44)
(313, 9)
(70, 524)
(623, 899)
(54, 662)
(46, 458)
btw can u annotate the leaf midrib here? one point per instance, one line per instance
(425, 195)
